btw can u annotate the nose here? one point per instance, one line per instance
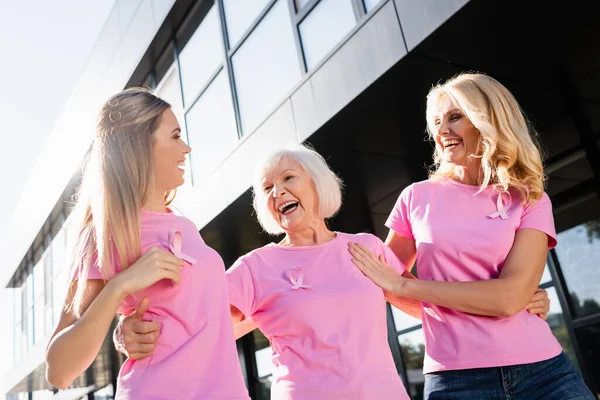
(187, 149)
(443, 128)
(278, 191)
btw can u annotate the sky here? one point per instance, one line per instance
(45, 46)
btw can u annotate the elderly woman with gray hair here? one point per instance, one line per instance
(325, 320)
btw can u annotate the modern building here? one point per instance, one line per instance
(350, 77)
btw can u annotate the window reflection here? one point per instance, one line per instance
(403, 321)
(266, 66)
(559, 328)
(412, 347)
(300, 4)
(370, 4)
(546, 276)
(211, 128)
(264, 365)
(324, 27)
(201, 56)
(590, 349)
(577, 254)
(239, 15)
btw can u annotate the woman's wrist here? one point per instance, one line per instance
(116, 288)
(402, 287)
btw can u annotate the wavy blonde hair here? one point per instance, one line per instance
(117, 177)
(509, 151)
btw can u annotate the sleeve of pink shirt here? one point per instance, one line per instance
(399, 219)
(390, 257)
(240, 286)
(539, 216)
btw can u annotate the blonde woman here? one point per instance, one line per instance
(131, 247)
(479, 228)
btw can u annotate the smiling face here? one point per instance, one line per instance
(291, 195)
(455, 136)
(169, 153)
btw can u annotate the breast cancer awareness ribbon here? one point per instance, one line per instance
(297, 283)
(175, 239)
(500, 207)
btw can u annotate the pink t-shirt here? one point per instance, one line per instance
(195, 356)
(463, 236)
(325, 320)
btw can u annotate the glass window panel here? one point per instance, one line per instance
(263, 362)
(402, 320)
(558, 326)
(589, 343)
(370, 4)
(48, 278)
(324, 27)
(169, 89)
(202, 55)
(59, 292)
(300, 4)
(211, 128)
(59, 259)
(39, 311)
(546, 276)
(239, 14)
(18, 312)
(30, 325)
(48, 320)
(38, 279)
(577, 254)
(266, 66)
(17, 343)
(412, 346)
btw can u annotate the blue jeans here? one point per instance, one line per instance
(553, 379)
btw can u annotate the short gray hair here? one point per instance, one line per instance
(327, 183)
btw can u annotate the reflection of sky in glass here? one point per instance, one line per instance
(413, 338)
(403, 321)
(324, 27)
(266, 66)
(263, 362)
(370, 4)
(546, 277)
(578, 260)
(555, 307)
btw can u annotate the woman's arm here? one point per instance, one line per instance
(76, 341)
(406, 251)
(504, 296)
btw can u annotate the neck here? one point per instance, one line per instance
(313, 235)
(155, 201)
(469, 174)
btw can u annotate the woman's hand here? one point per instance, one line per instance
(154, 265)
(375, 268)
(135, 337)
(539, 304)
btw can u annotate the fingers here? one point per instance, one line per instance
(142, 308)
(167, 272)
(139, 351)
(539, 295)
(144, 327)
(146, 338)
(159, 255)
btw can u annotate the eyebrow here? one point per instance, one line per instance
(178, 130)
(453, 111)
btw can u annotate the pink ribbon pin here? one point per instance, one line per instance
(297, 283)
(500, 207)
(175, 239)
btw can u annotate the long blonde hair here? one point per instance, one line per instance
(510, 155)
(117, 177)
